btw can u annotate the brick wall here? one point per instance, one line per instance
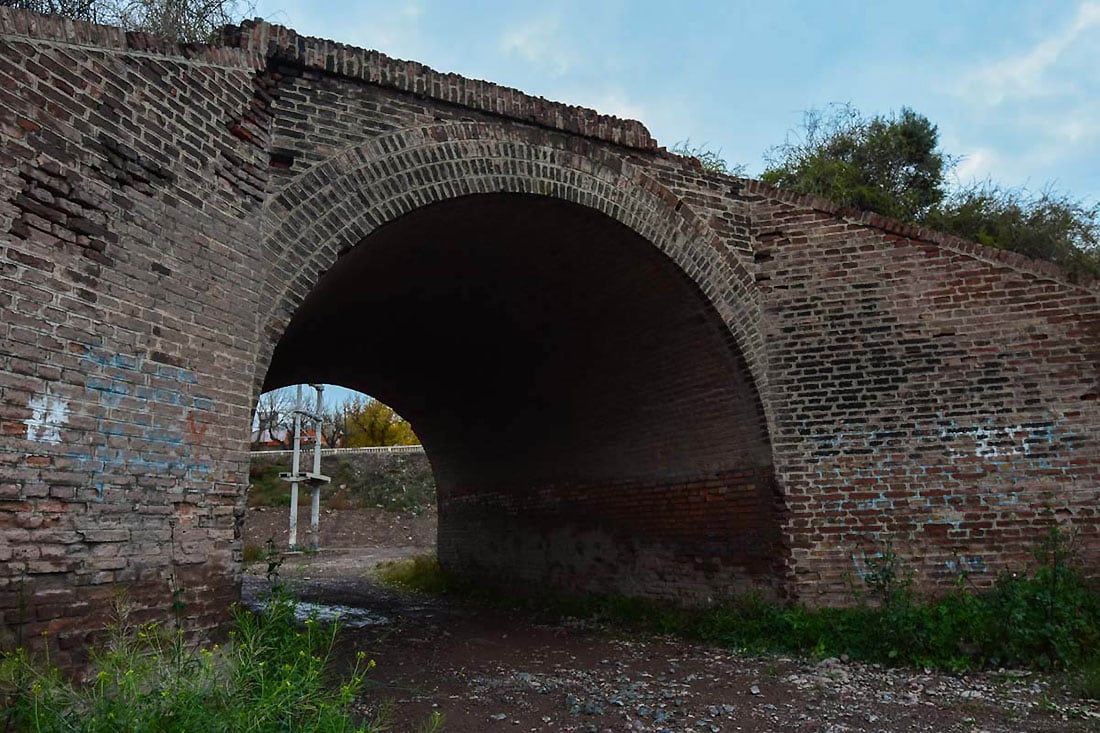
(179, 226)
(689, 540)
(125, 258)
(928, 392)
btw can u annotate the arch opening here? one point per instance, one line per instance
(590, 420)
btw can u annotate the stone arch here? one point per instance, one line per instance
(596, 486)
(330, 208)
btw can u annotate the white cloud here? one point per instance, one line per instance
(393, 30)
(976, 165)
(1034, 112)
(1034, 72)
(539, 41)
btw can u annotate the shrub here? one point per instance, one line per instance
(421, 573)
(273, 675)
(1086, 683)
(1048, 618)
(252, 553)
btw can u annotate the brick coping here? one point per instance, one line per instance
(254, 43)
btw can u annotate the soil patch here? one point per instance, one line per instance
(344, 528)
(491, 670)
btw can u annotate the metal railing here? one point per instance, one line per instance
(347, 451)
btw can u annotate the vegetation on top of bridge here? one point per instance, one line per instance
(186, 21)
(892, 165)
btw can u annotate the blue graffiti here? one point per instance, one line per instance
(107, 388)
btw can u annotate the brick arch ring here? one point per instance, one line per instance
(334, 205)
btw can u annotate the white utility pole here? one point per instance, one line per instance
(314, 478)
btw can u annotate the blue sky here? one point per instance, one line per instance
(1013, 86)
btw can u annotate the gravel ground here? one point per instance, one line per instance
(488, 670)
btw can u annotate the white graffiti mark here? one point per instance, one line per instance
(999, 442)
(49, 413)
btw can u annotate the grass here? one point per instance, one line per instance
(274, 674)
(1047, 619)
(252, 553)
(1086, 682)
(421, 573)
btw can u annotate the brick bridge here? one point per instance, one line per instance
(629, 374)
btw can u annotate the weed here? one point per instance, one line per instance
(340, 499)
(274, 560)
(252, 553)
(272, 676)
(433, 724)
(885, 577)
(1086, 682)
(421, 573)
(1047, 618)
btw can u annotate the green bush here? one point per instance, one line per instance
(1048, 618)
(1086, 682)
(273, 675)
(421, 573)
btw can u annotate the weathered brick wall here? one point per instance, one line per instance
(927, 392)
(691, 541)
(694, 382)
(126, 253)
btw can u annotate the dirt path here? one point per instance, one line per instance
(498, 671)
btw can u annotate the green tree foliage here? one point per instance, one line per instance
(890, 165)
(1050, 226)
(187, 21)
(711, 160)
(371, 423)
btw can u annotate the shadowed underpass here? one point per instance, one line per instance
(563, 375)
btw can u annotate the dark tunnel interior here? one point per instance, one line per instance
(530, 341)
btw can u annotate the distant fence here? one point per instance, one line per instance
(308, 450)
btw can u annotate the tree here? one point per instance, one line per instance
(75, 9)
(893, 166)
(187, 21)
(274, 418)
(1050, 226)
(889, 165)
(333, 427)
(371, 423)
